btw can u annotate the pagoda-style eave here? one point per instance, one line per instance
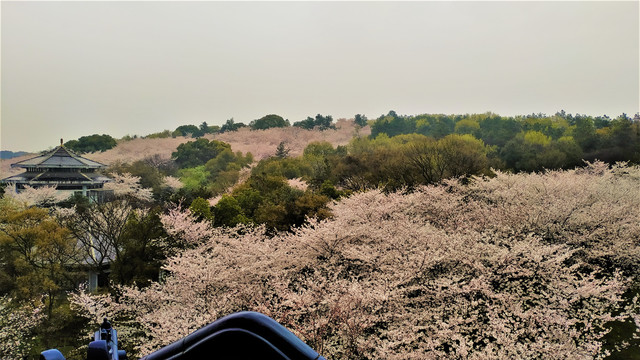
(58, 158)
(56, 182)
(18, 165)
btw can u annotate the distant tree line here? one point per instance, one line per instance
(5, 154)
(320, 122)
(533, 142)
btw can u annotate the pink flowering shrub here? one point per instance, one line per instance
(128, 185)
(40, 196)
(16, 328)
(517, 266)
(172, 183)
(184, 228)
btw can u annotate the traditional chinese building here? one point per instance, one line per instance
(64, 170)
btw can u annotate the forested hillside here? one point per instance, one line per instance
(532, 142)
(427, 236)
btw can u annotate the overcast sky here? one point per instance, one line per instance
(77, 68)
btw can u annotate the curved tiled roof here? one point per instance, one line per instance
(60, 157)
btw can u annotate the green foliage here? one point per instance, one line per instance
(206, 129)
(224, 169)
(227, 160)
(320, 123)
(436, 126)
(360, 120)
(584, 133)
(77, 199)
(319, 149)
(310, 205)
(150, 176)
(268, 199)
(288, 168)
(194, 178)
(536, 138)
(201, 209)
(141, 255)
(159, 135)
(188, 130)
(320, 157)
(35, 255)
(278, 208)
(398, 162)
(392, 125)
(329, 190)
(377, 163)
(128, 137)
(198, 152)
(307, 123)
(601, 122)
(228, 212)
(91, 143)
(571, 150)
(324, 122)
(282, 151)
(249, 199)
(463, 155)
(214, 177)
(269, 121)
(64, 331)
(467, 126)
(554, 127)
(597, 138)
(231, 125)
(496, 130)
(534, 151)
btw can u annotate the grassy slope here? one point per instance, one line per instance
(261, 143)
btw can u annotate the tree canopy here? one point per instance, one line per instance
(91, 143)
(268, 121)
(320, 122)
(198, 152)
(231, 125)
(188, 130)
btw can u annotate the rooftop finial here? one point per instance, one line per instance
(61, 141)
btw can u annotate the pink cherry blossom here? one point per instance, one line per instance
(505, 267)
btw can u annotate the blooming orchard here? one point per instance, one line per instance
(517, 266)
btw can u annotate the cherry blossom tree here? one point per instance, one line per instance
(16, 328)
(184, 228)
(514, 266)
(36, 196)
(100, 228)
(126, 185)
(172, 183)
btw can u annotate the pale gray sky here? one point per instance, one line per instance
(77, 68)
